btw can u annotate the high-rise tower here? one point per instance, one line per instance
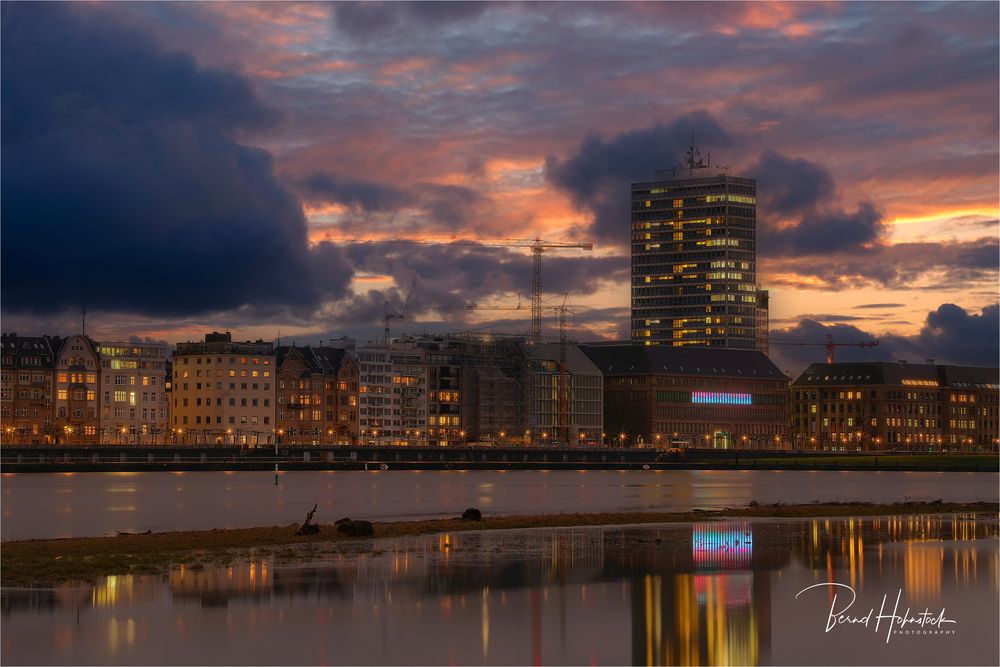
(694, 274)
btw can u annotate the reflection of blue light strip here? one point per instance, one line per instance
(720, 398)
(728, 545)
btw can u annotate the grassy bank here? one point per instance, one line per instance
(42, 562)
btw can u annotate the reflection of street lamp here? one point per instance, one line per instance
(277, 441)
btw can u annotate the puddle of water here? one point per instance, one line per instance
(720, 593)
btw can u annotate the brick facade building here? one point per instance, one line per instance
(698, 397)
(896, 406)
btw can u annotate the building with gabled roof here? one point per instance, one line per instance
(691, 396)
(317, 395)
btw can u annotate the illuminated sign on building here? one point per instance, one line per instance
(720, 398)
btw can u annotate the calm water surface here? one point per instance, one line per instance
(82, 504)
(719, 593)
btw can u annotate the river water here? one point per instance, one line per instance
(42, 505)
(720, 593)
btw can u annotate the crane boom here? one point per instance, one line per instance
(830, 344)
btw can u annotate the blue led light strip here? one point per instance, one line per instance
(721, 398)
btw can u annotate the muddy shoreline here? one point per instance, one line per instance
(53, 561)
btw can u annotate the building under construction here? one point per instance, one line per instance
(480, 386)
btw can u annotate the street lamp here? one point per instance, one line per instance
(621, 440)
(581, 436)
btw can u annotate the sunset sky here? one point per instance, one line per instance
(183, 167)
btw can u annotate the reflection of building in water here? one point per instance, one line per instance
(923, 566)
(716, 608)
(830, 546)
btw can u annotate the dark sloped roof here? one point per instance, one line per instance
(41, 347)
(631, 359)
(325, 360)
(332, 358)
(894, 373)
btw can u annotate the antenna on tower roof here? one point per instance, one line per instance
(693, 159)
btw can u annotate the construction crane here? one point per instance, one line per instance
(537, 245)
(830, 344)
(391, 314)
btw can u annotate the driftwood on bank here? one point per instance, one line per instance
(308, 527)
(122, 533)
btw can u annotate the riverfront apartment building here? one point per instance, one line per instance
(317, 396)
(393, 394)
(76, 415)
(694, 272)
(223, 391)
(134, 407)
(896, 406)
(697, 397)
(26, 382)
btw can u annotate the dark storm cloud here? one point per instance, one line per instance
(957, 264)
(950, 335)
(800, 192)
(822, 232)
(446, 205)
(366, 195)
(125, 187)
(462, 274)
(366, 20)
(790, 186)
(598, 176)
